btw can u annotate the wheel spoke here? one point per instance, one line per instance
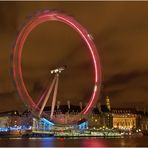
(54, 96)
(41, 98)
(47, 96)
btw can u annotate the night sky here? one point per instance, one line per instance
(120, 31)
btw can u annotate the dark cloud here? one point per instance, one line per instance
(130, 84)
(122, 79)
(11, 101)
(120, 34)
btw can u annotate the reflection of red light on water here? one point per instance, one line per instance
(61, 139)
(93, 143)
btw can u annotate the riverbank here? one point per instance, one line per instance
(69, 133)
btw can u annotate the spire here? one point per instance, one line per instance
(58, 104)
(108, 103)
(99, 107)
(68, 103)
(81, 105)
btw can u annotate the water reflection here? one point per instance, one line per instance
(93, 143)
(123, 143)
(47, 142)
(74, 142)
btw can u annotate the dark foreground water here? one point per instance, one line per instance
(75, 142)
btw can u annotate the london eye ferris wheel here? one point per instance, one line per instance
(37, 107)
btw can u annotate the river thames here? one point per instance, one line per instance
(75, 142)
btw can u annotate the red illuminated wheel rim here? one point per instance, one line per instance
(17, 54)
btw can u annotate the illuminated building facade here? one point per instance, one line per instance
(82, 125)
(41, 125)
(4, 122)
(10, 119)
(143, 121)
(119, 118)
(124, 118)
(100, 118)
(10, 123)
